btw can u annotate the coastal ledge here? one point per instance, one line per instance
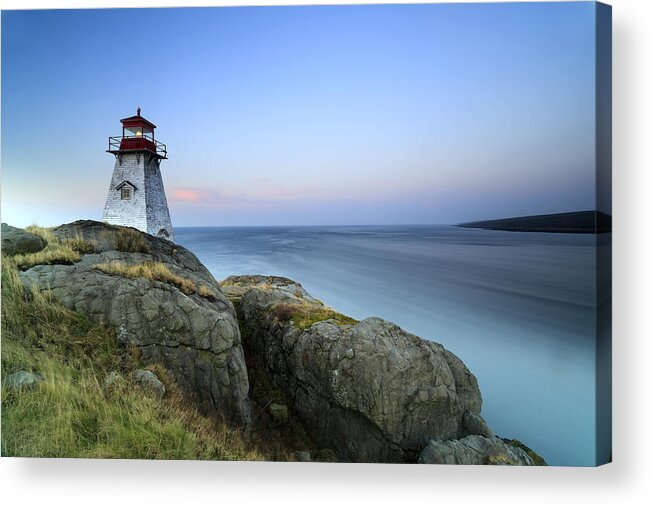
(258, 352)
(581, 222)
(367, 389)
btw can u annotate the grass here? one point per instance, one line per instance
(207, 293)
(155, 271)
(128, 240)
(67, 251)
(304, 315)
(537, 459)
(71, 414)
(56, 251)
(123, 239)
(80, 245)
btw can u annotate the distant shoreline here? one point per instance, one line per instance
(582, 222)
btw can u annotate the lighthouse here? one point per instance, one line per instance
(136, 196)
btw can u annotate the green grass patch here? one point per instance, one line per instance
(155, 271)
(304, 315)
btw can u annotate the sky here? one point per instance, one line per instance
(314, 115)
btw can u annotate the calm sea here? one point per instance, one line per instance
(517, 308)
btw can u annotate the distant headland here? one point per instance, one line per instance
(582, 222)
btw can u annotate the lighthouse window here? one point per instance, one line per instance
(125, 193)
(133, 132)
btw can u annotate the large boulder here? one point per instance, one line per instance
(16, 240)
(190, 327)
(370, 390)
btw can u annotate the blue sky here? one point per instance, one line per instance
(306, 115)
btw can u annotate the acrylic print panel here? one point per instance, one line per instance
(374, 233)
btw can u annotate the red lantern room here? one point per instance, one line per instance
(137, 135)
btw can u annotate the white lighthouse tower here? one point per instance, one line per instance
(136, 197)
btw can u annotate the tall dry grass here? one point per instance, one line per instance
(155, 271)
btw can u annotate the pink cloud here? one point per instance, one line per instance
(188, 195)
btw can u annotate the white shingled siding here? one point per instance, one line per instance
(147, 209)
(158, 215)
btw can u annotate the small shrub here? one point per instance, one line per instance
(155, 271)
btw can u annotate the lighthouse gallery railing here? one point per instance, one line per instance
(128, 142)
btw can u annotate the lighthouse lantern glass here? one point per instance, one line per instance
(132, 131)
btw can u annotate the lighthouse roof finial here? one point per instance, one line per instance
(138, 111)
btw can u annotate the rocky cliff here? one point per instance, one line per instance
(367, 390)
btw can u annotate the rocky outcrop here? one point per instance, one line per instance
(189, 326)
(474, 450)
(16, 240)
(368, 389)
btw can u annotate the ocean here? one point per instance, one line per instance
(518, 308)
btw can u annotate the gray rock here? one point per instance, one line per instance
(371, 391)
(21, 379)
(16, 240)
(278, 413)
(474, 423)
(475, 450)
(285, 287)
(197, 339)
(113, 378)
(302, 456)
(149, 380)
